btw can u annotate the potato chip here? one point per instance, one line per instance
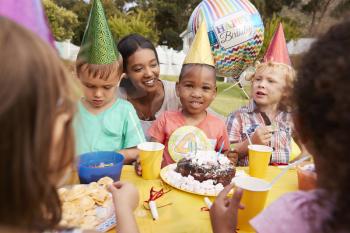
(71, 215)
(90, 219)
(88, 225)
(68, 205)
(89, 222)
(93, 185)
(75, 222)
(90, 212)
(63, 223)
(62, 191)
(107, 203)
(76, 192)
(87, 203)
(105, 181)
(99, 196)
(76, 202)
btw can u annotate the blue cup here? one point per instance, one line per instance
(93, 166)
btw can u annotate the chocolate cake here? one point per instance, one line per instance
(206, 165)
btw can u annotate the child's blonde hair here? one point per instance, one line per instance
(101, 71)
(288, 73)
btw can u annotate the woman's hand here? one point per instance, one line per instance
(223, 212)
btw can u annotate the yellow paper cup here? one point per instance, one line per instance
(259, 159)
(255, 193)
(151, 155)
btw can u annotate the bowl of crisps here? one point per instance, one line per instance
(93, 166)
(87, 206)
(307, 176)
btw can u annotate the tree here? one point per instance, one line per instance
(172, 18)
(260, 5)
(62, 21)
(267, 8)
(82, 10)
(342, 9)
(290, 29)
(317, 9)
(68, 4)
(138, 21)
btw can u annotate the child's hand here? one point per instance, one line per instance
(223, 212)
(138, 168)
(125, 195)
(232, 156)
(262, 135)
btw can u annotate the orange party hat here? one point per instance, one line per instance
(277, 50)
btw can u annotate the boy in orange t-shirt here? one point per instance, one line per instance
(196, 89)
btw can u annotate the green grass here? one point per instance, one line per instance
(229, 98)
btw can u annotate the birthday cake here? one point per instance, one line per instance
(207, 165)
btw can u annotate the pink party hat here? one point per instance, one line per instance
(277, 50)
(29, 14)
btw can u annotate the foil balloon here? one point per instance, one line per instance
(235, 32)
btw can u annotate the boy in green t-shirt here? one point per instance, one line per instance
(103, 122)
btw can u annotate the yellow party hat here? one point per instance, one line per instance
(200, 52)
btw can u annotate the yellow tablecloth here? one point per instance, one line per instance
(185, 215)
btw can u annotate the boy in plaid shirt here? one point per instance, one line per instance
(266, 119)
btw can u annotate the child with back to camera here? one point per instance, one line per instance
(37, 142)
(322, 100)
(266, 119)
(104, 122)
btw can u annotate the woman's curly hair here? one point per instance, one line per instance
(322, 97)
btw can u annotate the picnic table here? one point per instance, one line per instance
(183, 212)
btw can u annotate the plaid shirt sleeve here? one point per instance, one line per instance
(234, 127)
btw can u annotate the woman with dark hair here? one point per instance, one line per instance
(141, 85)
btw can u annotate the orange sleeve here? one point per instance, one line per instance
(157, 129)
